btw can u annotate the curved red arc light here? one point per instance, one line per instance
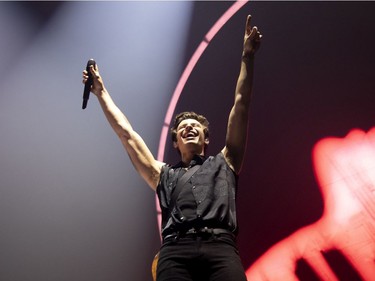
(340, 172)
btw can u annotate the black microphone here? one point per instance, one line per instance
(88, 84)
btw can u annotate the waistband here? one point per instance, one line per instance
(199, 232)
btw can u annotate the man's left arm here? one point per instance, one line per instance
(235, 144)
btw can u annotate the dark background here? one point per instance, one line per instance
(314, 78)
(71, 205)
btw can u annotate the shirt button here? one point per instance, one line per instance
(193, 186)
(182, 218)
(199, 201)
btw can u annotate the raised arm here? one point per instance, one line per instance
(143, 160)
(235, 144)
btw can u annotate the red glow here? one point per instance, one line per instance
(345, 170)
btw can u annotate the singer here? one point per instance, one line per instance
(197, 195)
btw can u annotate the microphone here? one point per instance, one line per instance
(88, 84)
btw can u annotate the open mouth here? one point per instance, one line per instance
(189, 135)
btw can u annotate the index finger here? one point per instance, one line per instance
(248, 25)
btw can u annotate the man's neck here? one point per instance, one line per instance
(187, 157)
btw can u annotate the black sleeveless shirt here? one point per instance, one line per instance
(206, 200)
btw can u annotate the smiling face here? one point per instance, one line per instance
(190, 133)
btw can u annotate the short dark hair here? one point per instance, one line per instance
(189, 115)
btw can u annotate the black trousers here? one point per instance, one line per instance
(200, 258)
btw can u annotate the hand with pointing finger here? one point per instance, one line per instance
(252, 39)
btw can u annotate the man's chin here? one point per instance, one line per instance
(192, 144)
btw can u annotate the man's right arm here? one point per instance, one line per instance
(140, 155)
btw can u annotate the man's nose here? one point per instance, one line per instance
(188, 127)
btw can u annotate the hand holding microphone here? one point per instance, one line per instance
(88, 83)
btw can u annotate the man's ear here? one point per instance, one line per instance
(206, 141)
(175, 144)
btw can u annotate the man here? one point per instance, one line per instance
(197, 196)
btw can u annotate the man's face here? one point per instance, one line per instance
(190, 135)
